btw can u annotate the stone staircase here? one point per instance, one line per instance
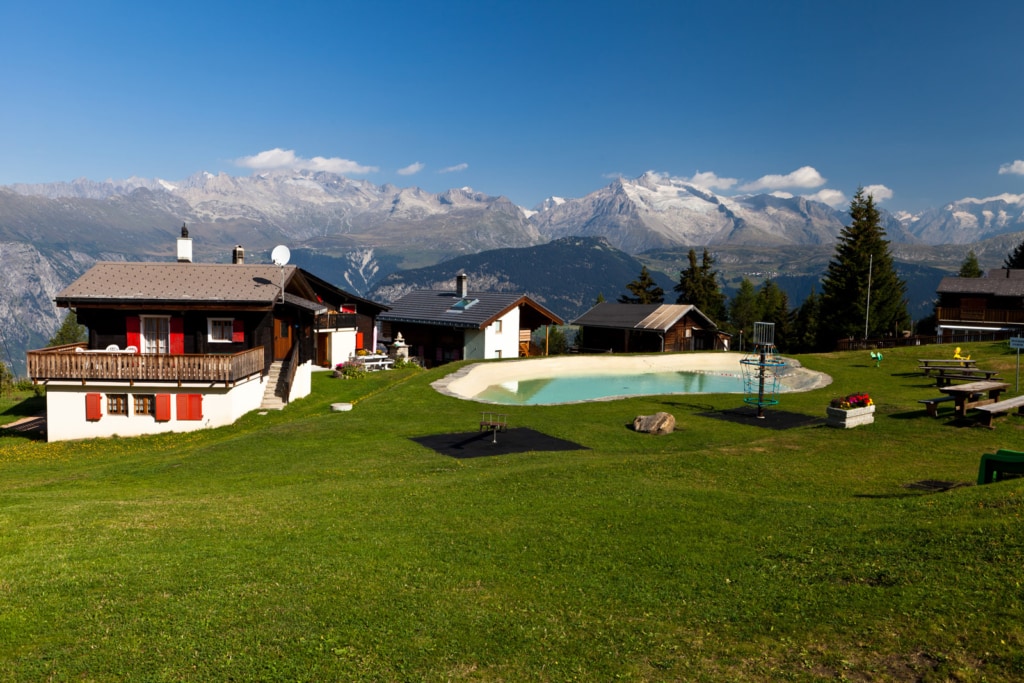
(272, 398)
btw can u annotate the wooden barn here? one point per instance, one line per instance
(647, 328)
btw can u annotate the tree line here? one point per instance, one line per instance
(861, 293)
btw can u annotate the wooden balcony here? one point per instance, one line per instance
(981, 315)
(75, 362)
(335, 321)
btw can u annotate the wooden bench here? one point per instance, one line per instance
(994, 465)
(989, 412)
(932, 404)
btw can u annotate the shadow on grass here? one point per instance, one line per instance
(484, 443)
(773, 419)
(32, 405)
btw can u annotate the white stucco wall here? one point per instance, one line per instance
(490, 343)
(303, 383)
(342, 345)
(65, 408)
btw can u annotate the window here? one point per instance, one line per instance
(117, 404)
(497, 326)
(221, 330)
(145, 404)
(156, 334)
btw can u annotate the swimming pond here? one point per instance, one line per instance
(573, 379)
(573, 389)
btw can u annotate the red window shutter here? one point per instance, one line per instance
(163, 407)
(133, 326)
(190, 406)
(93, 407)
(177, 334)
(359, 340)
(238, 331)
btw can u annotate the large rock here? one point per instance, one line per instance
(659, 423)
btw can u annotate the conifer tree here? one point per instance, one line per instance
(69, 332)
(970, 266)
(698, 286)
(1015, 259)
(644, 289)
(773, 307)
(743, 310)
(862, 253)
(805, 332)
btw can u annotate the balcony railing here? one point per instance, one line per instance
(75, 362)
(334, 321)
(981, 315)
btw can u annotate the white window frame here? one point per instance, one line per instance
(230, 330)
(498, 326)
(154, 345)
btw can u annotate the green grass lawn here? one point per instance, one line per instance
(307, 545)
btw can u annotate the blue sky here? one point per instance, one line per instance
(920, 101)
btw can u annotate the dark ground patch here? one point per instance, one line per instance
(773, 419)
(479, 444)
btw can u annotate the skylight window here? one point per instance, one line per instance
(463, 304)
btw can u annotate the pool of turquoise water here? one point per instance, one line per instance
(595, 387)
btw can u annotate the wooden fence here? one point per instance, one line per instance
(74, 362)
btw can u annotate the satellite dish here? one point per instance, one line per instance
(280, 255)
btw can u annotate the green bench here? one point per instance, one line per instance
(994, 465)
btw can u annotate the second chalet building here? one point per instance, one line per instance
(182, 346)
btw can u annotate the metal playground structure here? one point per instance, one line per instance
(761, 369)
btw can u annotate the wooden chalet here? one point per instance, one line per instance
(994, 303)
(443, 326)
(177, 346)
(647, 328)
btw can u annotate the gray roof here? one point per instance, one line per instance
(432, 307)
(195, 283)
(654, 317)
(998, 282)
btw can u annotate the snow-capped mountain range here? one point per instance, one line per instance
(649, 212)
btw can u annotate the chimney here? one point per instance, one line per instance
(184, 246)
(238, 254)
(461, 285)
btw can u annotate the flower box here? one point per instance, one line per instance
(850, 417)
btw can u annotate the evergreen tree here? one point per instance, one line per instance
(1015, 259)
(862, 253)
(644, 289)
(970, 267)
(773, 307)
(698, 285)
(805, 333)
(69, 332)
(743, 311)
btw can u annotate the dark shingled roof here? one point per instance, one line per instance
(184, 282)
(658, 317)
(998, 282)
(432, 307)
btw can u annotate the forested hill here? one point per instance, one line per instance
(566, 275)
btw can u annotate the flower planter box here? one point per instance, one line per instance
(845, 419)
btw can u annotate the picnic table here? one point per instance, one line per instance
(970, 395)
(945, 375)
(929, 364)
(373, 363)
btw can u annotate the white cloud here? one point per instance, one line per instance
(455, 168)
(804, 177)
(833, 198)
(411, 169)
(1016, 168)
(278, 158)
(710, 181)
(878, 192)
(781, 195)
